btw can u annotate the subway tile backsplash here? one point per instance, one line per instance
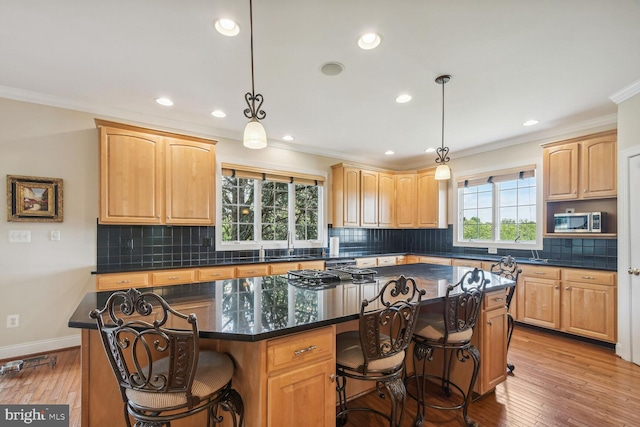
(130, 247)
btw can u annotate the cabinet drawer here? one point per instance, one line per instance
(106, 282)
(283, 267)
(312, 265)
(401, 260)
(495, 299)
(174, 277)
(434, 260)
(589, 276)
(386, 260)
(215, 273)
(253, 270)
(541, 272)
(366, 262)
(301, 348)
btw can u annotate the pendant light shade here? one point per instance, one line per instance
(443, 172)
(255, 136)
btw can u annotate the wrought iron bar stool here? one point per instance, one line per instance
(376, 352)
(450, 331)
(508, 267)
(155, 356)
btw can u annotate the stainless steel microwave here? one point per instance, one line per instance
(586, 222)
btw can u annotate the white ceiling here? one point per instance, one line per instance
(557, 61)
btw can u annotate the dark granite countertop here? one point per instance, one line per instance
(257, 308)
(302, 258)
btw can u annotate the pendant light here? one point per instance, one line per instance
(255, 136)
(442, 171)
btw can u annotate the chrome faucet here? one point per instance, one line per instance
(289, 243)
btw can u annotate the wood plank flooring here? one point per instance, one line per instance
(557, 382)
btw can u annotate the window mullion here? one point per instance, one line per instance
(257, 211)
(496, 212)
(291, 223)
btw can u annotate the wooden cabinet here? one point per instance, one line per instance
(386, 260)
(173, 277)
(301, 375)
(283, 267)
(113, 281)
(405, 200)
(581, 174)
(210, 274)
(153, 177)
(539, 297)
(589, 304)
(386, 200)
(577, 301)
(434, 260)
(366, 262)
(346, 196)
(491, 331)
(368, 198)
(428, 199)
(470, 263)
(252, 270)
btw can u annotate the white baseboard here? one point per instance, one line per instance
(19, 350)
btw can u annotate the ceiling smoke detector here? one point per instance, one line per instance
(332, 68)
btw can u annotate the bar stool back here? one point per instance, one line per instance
(376, 352)
(449, 331)
(508, 267)
(154, 353)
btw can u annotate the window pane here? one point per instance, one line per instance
(508, 197)
(485, 199)
(237, 208)
(518, 210)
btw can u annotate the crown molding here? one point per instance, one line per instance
(626, 93)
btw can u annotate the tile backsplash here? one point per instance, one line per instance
(127, 247)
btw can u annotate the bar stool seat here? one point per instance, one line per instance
(449, 331)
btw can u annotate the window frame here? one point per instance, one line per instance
(271, 244)
(492, 245)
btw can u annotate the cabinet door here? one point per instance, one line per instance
(405, 201)
(131, 177)
(589, 310)
(494, 348)
(386, 200)
(599, 167)
(561, 172)
(368, 198)
(428, 200)
(303, 397)
(539, 302)
(190, 182)
(351, 197)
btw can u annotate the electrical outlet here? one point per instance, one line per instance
(19, 236)
(492, 250)
(55, 234)
(13, 321)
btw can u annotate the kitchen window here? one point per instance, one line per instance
(261, 208)
(499, 209)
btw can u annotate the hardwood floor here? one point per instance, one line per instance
(557, 382)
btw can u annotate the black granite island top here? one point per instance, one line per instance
(252, 309)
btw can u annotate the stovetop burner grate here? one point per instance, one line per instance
(318, 279)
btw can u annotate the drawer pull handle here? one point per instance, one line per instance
(498, 299)
(215, 274)
(539, 272)
(123, 281)
(588, 277)
(304, 350)
(173, 277)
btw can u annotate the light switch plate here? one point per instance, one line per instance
(19, 236)
(55, 234)
(492, 250)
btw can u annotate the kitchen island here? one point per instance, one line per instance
(264, 323)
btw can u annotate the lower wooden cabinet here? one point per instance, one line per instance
(491, 332)
(577, 301)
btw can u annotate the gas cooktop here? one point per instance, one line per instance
(322, 279)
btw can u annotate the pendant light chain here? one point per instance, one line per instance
(442, 151)
(251, 98)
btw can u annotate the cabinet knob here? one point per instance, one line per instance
(630, 271)
(585, 190)
(332, 377)
(557, 287)
(567, 288)
(636, 272)
(490, 323)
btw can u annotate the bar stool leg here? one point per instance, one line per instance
(341, 388)
(510, 326)
(397, 395)
(475, 355)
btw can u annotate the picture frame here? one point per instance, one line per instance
(34, 199)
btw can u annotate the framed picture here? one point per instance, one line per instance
(34, 199)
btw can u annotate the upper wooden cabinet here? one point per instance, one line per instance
(581, 168)
(346, 196)
(386, 200)
(406, 216)
(428, 199)
(368, 198)
(153, 177)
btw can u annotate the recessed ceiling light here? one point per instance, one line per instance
(369, 41)
(389, 152)
(401, 99)
(430, 150)
(164, 101)
(218, 113)
(531, 122)
(288, 138)
(227, 27)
